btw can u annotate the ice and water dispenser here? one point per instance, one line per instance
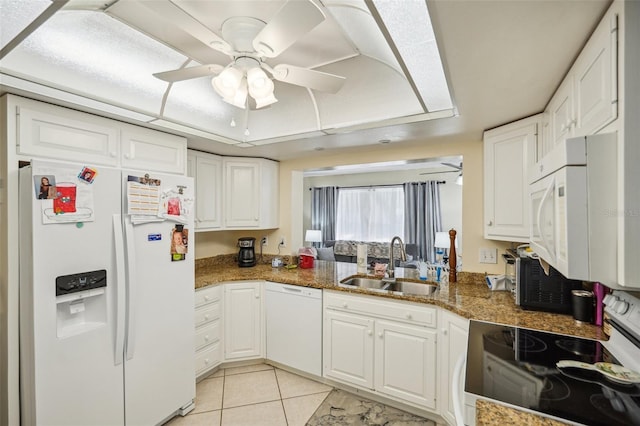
(81, 302)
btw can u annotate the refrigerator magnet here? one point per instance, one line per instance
(87, 174)
(179, 243)
(45, 187)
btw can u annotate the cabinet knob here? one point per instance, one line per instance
(206, 298)
(206, 338)
(490, 223)
(408, 315)
(369, 332)
(206, 316)
(444, 331)
(344, 305)
(380, 334)
(113, 153)
(127, 156)
(541, 167)
(257, 296)
(206, 360)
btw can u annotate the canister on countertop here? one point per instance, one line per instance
(582, 305)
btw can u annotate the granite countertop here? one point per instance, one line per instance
(469, 297)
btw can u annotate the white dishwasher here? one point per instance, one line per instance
(294, 326)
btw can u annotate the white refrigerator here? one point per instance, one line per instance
(106, 295)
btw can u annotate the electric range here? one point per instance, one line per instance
(517, 366)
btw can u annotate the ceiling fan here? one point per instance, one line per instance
(248, 42)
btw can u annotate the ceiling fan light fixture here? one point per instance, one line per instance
(228, 82)
(239, 97)
(265, 101)
(260, 85)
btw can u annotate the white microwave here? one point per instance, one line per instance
(571, 190)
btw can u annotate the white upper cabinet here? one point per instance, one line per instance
(146, 149)
(50, 131)
(251, 193)
(587, 99)
(509, 152)
(206, 169)
(595, 79)
(561, 115)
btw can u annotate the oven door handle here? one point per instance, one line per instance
(457, 391)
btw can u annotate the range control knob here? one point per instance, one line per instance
(621, 307)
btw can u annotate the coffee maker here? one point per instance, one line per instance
(247, 254)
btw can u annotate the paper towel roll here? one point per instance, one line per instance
(361, 253)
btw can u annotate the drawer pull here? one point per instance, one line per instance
(206, 316)
(207, 297)
(409, 316)
(344, 305)
(206, 338)
(206, 360)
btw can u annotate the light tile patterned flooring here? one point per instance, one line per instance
(256, 394)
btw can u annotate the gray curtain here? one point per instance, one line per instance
(422, 217)
(324, 207)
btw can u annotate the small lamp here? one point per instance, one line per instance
(313, 236)
(442, 243)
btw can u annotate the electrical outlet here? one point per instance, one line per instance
(282, 242)
(264, 241)
(488, 255)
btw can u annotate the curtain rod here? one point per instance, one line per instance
(439, 182)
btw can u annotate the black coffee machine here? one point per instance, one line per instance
(247, 255)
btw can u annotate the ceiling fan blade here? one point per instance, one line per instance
(189, 73)
(316, 80)
(154, 17)
(293, 20)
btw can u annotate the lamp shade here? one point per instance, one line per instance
(442, 240)
(313, 236)
(227, 82)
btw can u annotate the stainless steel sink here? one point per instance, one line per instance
(404, 287)
(369, 283)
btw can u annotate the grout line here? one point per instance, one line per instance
(281, 401)
(222, 398)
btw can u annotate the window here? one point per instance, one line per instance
(370, 214)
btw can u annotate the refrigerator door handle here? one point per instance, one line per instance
(131, 289)
(120, 284)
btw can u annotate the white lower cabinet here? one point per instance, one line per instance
(454, 331)
(208, 323)
(243, 320)
(383, 346)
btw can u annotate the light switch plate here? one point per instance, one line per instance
(488, 255)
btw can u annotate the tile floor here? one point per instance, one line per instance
(254, 395)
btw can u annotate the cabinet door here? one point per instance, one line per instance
(405, 362)
(509, 152)
(348, 348)
(56, 132)
(242, 191)
(242, 320)
(453, 343)
(146, 149)
(207, 171)
(561, 114)
(596, 79)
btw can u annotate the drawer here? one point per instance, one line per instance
(382, 308)
(208, 358)
(207, 334)
(208, 313)
(208, 295)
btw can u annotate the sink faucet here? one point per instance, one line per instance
(392, 261)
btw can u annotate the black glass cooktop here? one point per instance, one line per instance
(518, 366)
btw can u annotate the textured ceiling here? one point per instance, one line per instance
(503, 60)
